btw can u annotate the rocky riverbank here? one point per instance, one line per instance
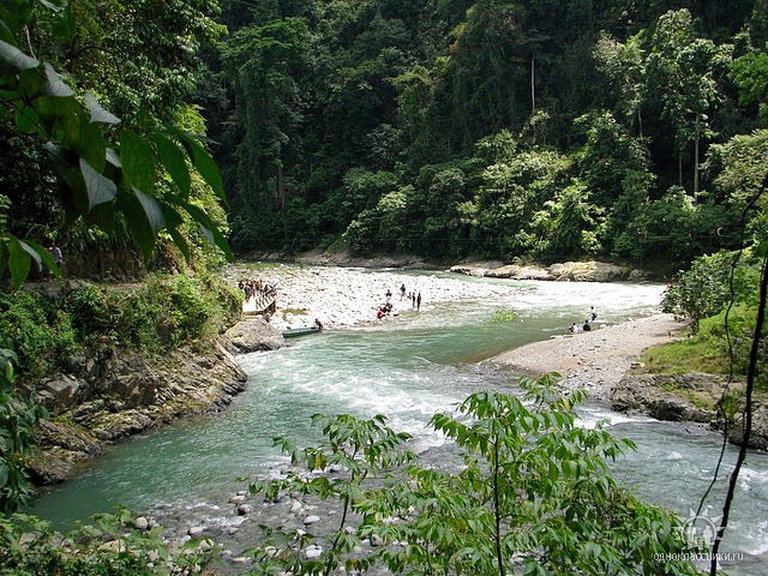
(607, 364)
(592, 271)
(124, 393)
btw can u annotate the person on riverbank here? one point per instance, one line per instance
(586, 327)
(402, 291)
(413, 299)
(389, 294)
(418, 302)
(573, 329)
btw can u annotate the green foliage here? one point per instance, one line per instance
(162, 313)
(533, 495)
(707, 350)
(111, 546)
(18, 417)
(106, 174)
(705, 289)
(505, 129)
(504, 316)
(38, 330)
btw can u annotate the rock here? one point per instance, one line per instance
(141, 523)
(253, 335)
(296, 507)
(243, 509)
(589, 272)
(313, 552)
(58, 393)
(195, 531)
(376, 540)
(758, 439)
(311, 520)
(653, 394)
(238, 499)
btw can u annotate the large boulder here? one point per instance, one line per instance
(675, 397)
(253, 335)
(589, 272)
(59, 392)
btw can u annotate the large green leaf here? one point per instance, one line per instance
(27, 120)
(139, 226)
(175, 162)
(3, 254)
(152, 210)
(99, 188)
(98, 112)
(204, 164)
(19, 261)
(209, 228)
(138, 162)
(56, 86)
(92, 146)
(16, 58)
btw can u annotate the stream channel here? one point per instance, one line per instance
(407, 368)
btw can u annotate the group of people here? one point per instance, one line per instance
(386, 308)
(251, 288)
(587, 326)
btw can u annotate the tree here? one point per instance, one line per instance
(533, 495)
(106, 175)
(685, 70)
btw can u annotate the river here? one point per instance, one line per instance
(408, 368)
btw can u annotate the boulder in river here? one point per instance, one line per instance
(254, 334)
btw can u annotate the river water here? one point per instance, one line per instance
(408, 368)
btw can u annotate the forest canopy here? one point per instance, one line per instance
(528, 129)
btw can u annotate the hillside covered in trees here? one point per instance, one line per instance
(539, 129)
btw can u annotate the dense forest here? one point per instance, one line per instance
(541, 130)
(537, 129)
(163, 137)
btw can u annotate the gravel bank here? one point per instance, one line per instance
(594, 361)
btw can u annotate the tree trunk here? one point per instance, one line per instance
(696, 157)
(533, 83)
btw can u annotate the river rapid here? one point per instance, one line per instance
(407, 367)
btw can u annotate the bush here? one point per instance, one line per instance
(38, 330)
(704, 290)
(109, 547)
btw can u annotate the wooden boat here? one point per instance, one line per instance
(296, 332)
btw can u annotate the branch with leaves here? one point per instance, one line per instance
(105, 173)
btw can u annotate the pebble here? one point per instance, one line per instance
(313, 552)
(239, 499)
(243, 509)
(311, 520)
(240, 560)
(376, 540)
(196, 531)
(141, 523)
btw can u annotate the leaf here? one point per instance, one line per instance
(209, 229)
(100, 189)
(152, 210)
(51, 5)
(138, 225)
(174, 161)
(98, 112)
(42, 254)
(138, 162)
(56, 87)
(19, 261)
(27, 120)
(16, 58)
(92, 146)
(204, 164)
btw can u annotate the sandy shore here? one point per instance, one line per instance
(593, 361)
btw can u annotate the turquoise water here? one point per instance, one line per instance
(407, 368)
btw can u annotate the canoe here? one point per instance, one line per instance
(296, 332)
